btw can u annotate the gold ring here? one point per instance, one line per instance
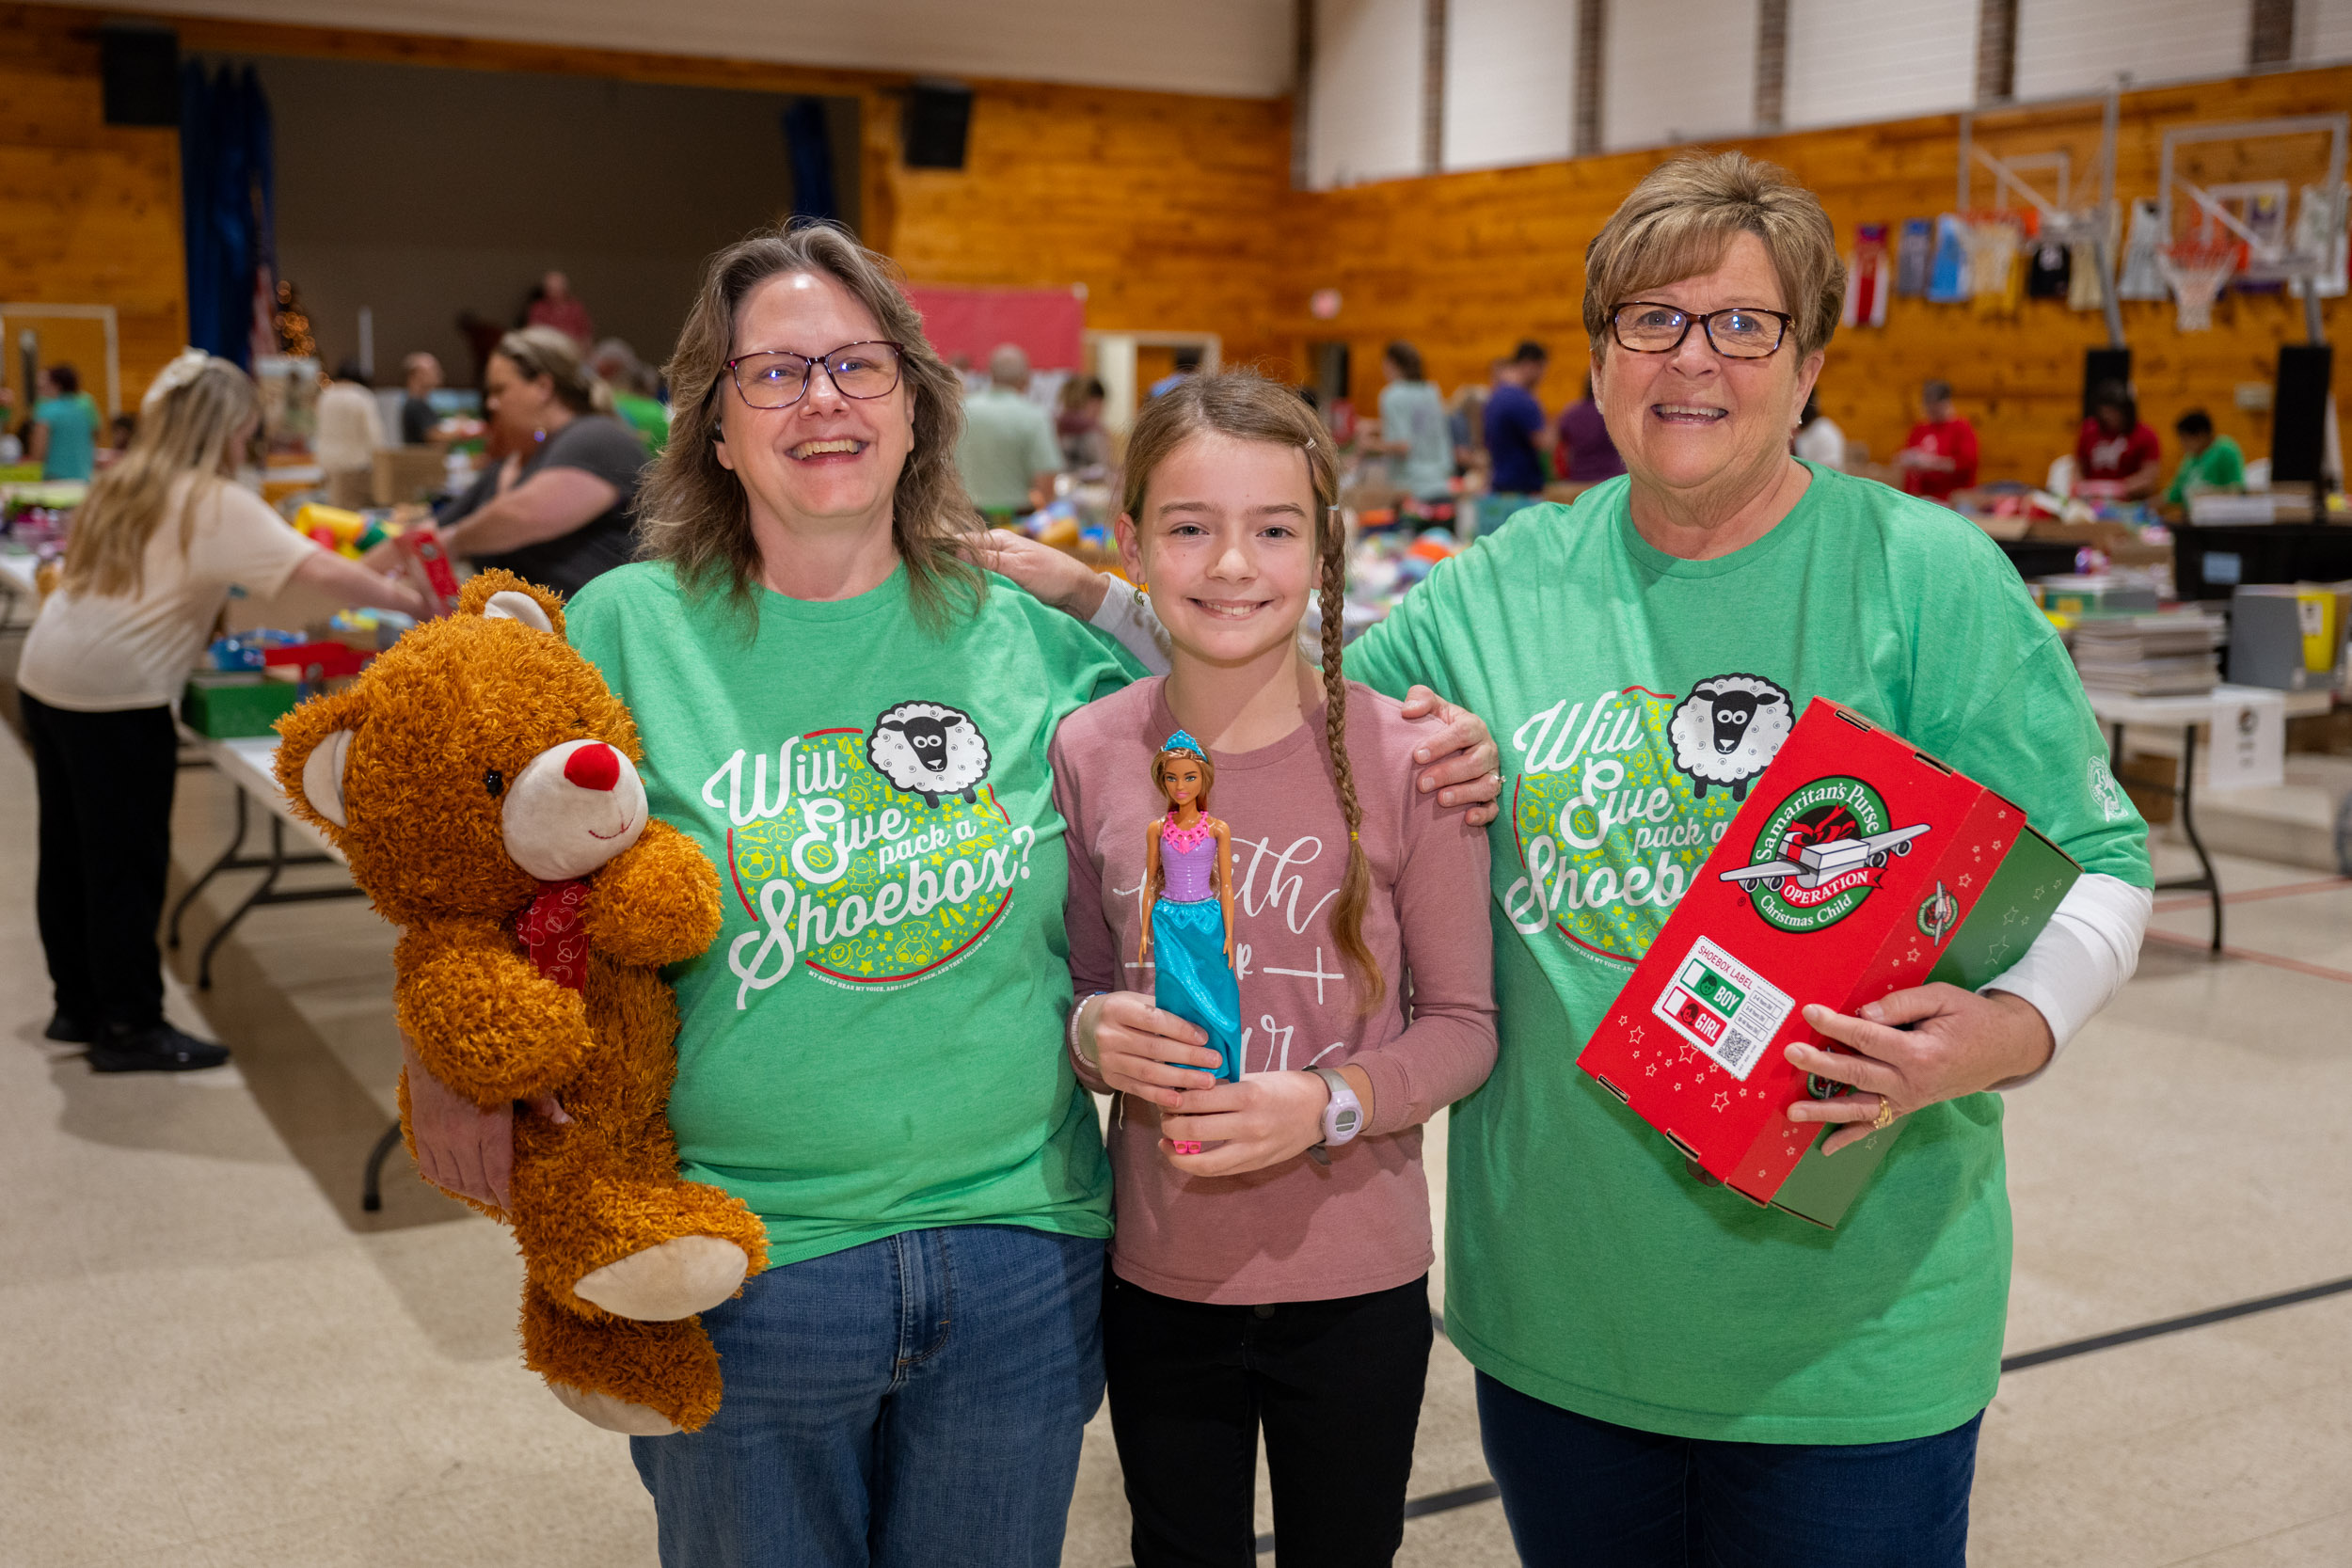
(1885, 1116)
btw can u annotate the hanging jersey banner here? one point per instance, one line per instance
(1947, 274)
(1914, 254)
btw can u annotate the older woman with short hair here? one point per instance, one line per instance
(1668, 1375)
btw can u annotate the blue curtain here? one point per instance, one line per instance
(809, 145)
(227, 204)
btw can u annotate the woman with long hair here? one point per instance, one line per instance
(853, 725)
(163, 536)
(1270, 1265)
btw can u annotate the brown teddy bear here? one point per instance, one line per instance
(478, 777)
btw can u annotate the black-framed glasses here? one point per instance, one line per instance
(775, 378)
(1742, 332)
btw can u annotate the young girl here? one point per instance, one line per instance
(1270, 1266)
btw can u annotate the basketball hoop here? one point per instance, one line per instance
(2197, 269)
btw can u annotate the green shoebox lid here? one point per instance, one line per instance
(230, 705)
(2033, 877)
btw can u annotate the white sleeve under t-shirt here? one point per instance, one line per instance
(107, 652)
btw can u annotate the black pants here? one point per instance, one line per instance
(1336, 1385)
(105, 782)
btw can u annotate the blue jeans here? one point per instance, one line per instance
(913, 1402)
(1585, 1494)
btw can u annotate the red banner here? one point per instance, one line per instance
(1047, 325)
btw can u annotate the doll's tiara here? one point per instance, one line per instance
(1181, 741)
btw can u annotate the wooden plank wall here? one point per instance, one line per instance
(1163, 205)
(1464, 266)
(1176, 214)
(89, 213)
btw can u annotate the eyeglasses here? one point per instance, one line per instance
(776, 379)
(1743, 332)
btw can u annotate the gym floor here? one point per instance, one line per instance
(213, 1359)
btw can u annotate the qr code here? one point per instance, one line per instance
(1723, 1007)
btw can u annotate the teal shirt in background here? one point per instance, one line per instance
(1585, 1265)
(72, 424)
(1007, 441)
(1411, 412)
(874, 1042)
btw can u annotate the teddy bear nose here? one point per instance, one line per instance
(595, 765)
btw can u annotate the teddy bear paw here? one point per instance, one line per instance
(674, 1279)
(613, 1415)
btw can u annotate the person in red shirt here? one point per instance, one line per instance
(1939, 456)
(2115, 455)
(556, 305)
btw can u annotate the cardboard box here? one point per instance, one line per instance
(407, 474)
(1860, 865)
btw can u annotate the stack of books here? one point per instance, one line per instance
(2169, 654)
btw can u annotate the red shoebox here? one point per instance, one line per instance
(1851, 871)
(429, 568)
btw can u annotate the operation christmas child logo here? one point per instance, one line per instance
(1820, 853)
(880, 857)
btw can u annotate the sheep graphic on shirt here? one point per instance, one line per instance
(929, 749)
(1727, 731)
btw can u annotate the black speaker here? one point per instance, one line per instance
(2298, 413)
(2102, 365)
(140, 68)
(937, 116)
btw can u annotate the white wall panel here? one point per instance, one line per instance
(2076, 46)
(2322, 32)
(1677, 72)
(1856, 60)
(1510, 81)
(1240, 47)
(1363, 114)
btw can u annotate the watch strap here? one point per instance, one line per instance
(1344, 1118)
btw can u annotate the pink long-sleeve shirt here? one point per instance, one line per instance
(1296, 1232)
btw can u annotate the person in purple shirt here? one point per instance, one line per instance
(1517, 437)
(1588, 455)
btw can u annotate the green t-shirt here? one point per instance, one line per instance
(1585, 1265)
(645, 415)
(1007, 441)
(2220, 466)
(1411, 412)
(873, 1044)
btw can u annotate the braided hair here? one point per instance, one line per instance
(1245, 405)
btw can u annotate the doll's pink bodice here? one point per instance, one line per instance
(1188, 861)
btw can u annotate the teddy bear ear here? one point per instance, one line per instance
(314, 751)
(498, 594)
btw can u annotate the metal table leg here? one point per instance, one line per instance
(269, 892)
(228, 861)
(2188, 826)
(2208, 881)
(371, 1186)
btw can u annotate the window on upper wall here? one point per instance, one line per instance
(1510, 81)
(1364, 105)
(1677, 72)
(2077, 46)
(2322, 32)
(1850, 61)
